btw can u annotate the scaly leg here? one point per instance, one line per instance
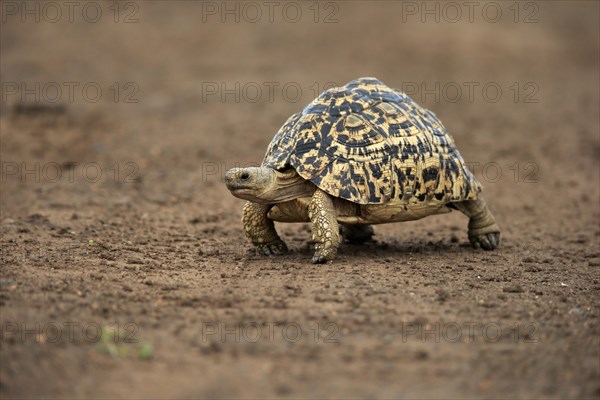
(325, 229)
(261, 230)
(483, 230)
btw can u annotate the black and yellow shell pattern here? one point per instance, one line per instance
(370, 144)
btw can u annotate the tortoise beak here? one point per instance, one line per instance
(236, 177)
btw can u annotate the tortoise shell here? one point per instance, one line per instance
(370, 144)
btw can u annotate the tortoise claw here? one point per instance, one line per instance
(487, 241)
(276, 248)
(494, 239)
(319, 259)
(323, 253)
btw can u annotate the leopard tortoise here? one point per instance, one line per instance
(358, 155)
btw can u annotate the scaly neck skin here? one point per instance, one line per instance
(266, 185)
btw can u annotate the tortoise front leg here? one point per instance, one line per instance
(261, 230)
(325, 229)
(483, 230)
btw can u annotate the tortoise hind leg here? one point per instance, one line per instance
(356, 234)
(483, 230)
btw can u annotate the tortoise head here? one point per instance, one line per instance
(267, 185)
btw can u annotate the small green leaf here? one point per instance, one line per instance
(146, 351)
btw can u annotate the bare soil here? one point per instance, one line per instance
(114, 216)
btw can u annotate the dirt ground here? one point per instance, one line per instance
(124, 268)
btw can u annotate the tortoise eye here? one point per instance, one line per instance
(244, 176)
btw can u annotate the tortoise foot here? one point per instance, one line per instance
(487, 241)
(274, 248)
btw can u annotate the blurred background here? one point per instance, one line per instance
(118, 121)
